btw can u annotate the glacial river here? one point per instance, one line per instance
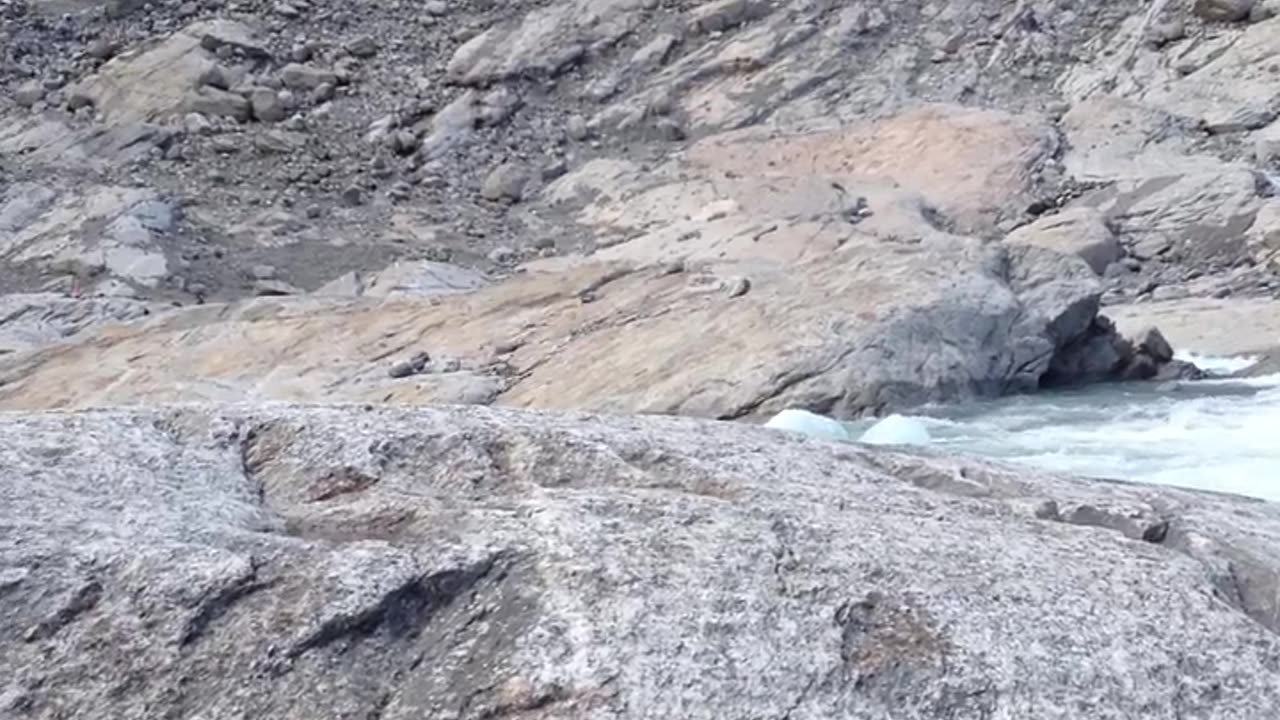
(1221, 434)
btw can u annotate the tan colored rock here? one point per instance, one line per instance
(1158, 194)
(976, 166)
(544, 41)
(1233, 326)
(1233, 90)
(1077, 231)
(867, 327)
(152, 82)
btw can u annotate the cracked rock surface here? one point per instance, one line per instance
(342, 562)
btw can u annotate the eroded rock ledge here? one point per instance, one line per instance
(336, 562)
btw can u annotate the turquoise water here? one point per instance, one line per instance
(1221, 435)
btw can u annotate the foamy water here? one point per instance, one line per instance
(1219, 434)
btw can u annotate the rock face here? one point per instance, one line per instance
(36, 320)
(327, 563)
(868, 327)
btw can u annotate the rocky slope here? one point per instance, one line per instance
(189, 151)
(873, 243)
(347, 562)
(718, 208)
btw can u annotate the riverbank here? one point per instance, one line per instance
(1217, 435)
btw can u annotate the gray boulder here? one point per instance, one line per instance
(326, 563)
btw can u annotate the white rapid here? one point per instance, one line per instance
(1221, 434)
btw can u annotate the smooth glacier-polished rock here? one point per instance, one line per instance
(346, 562)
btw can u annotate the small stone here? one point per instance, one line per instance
(102, 48)
(219, 103)
(675, 267)
(739, 286)
(77, 100)
(215, 76)
(435, 8)
(544, 242)
(404, 142)
(363, 47)
(29, 93)
(1163, 33)
(322, 93)
(224, 145)
(1223, 10)
(263, 272)
(503, 256)
(497, 106)
(577, 128)
(314, 211)
(507, 182)
(271, 288)
(413, 366)
(554, 169)
(352, 196)
(297, 76)
(267, 105)
(669, 129)
(345, 69)
(1152, 342)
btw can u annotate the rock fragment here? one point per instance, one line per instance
(413, 366)
(507, 182)
(1223, 10)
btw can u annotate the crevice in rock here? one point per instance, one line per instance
(403, 612)
(1247, 584)
(217, 605)
(81, 601)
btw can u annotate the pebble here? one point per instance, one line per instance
(102, 49)
(506, 182)
(739, 286)
(400, 191)
(263, 272)
(305, 77)
(77, 100)
(503, 256)
(352, 196)
(363, 47)
(322, 93)
(669, 129)
(413, 366)
(554, 169)
(577, 128)
(29, 93)
(267, 105)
